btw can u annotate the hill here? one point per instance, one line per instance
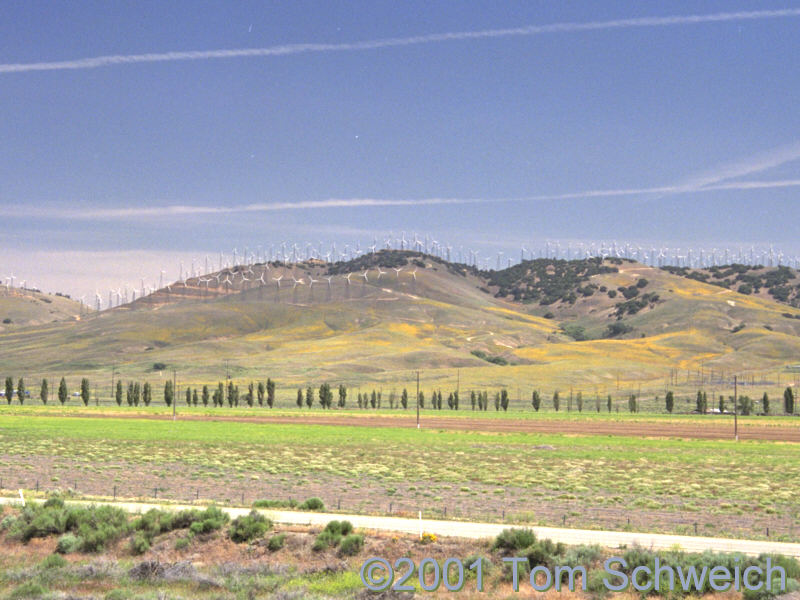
(23, 307)
(592, 324)
(779, 283)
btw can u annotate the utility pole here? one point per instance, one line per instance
(417, 399)
(174, 392)
(735, 411)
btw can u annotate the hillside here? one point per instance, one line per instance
(22, 307)
(779, 283)
(587, 323)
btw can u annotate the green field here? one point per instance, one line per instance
(725, 488)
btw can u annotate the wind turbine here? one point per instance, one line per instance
(380, 273)
(364, 275)
(348, 276)
(328, 279)
(397, 272)
(277, 280)
(414, 274)
(311, 281)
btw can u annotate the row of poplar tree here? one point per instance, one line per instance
(44, 391)
(744, 404)
(478, 400)
(263, 392)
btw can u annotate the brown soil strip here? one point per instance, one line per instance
(661, 430)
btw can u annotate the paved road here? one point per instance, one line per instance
(465, 529)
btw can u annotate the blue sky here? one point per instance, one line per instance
(527, 126)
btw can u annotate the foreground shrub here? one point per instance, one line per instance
(276, 542)
(140, 543)
(546, 553)
(153, 523)
(275, 504)
(332, 535)
(313, 504)
(54, 561)
(27, 590)
(511, 540)
(351, 544)
(249, 527)
(94, 527)
(68, 543)
(182, 543)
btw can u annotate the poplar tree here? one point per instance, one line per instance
(670, 401)
(43, 392)
(250, 397)
(168, 393)
(299, 397)
(270, 392)
(85, 391)
(788, 401)
(343, 395)
(205, 395)
(21, 391)
(118, 393)
(536, 400)
(230, 393)
(309, 396)
(147, 393)
(261, 391)
(404, 399)
(63, 392)
(504, 399)
(10, 389)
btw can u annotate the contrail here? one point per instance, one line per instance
(305, 48)
(190, 210)
(754, 164)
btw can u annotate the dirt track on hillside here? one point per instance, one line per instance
(711, 431)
